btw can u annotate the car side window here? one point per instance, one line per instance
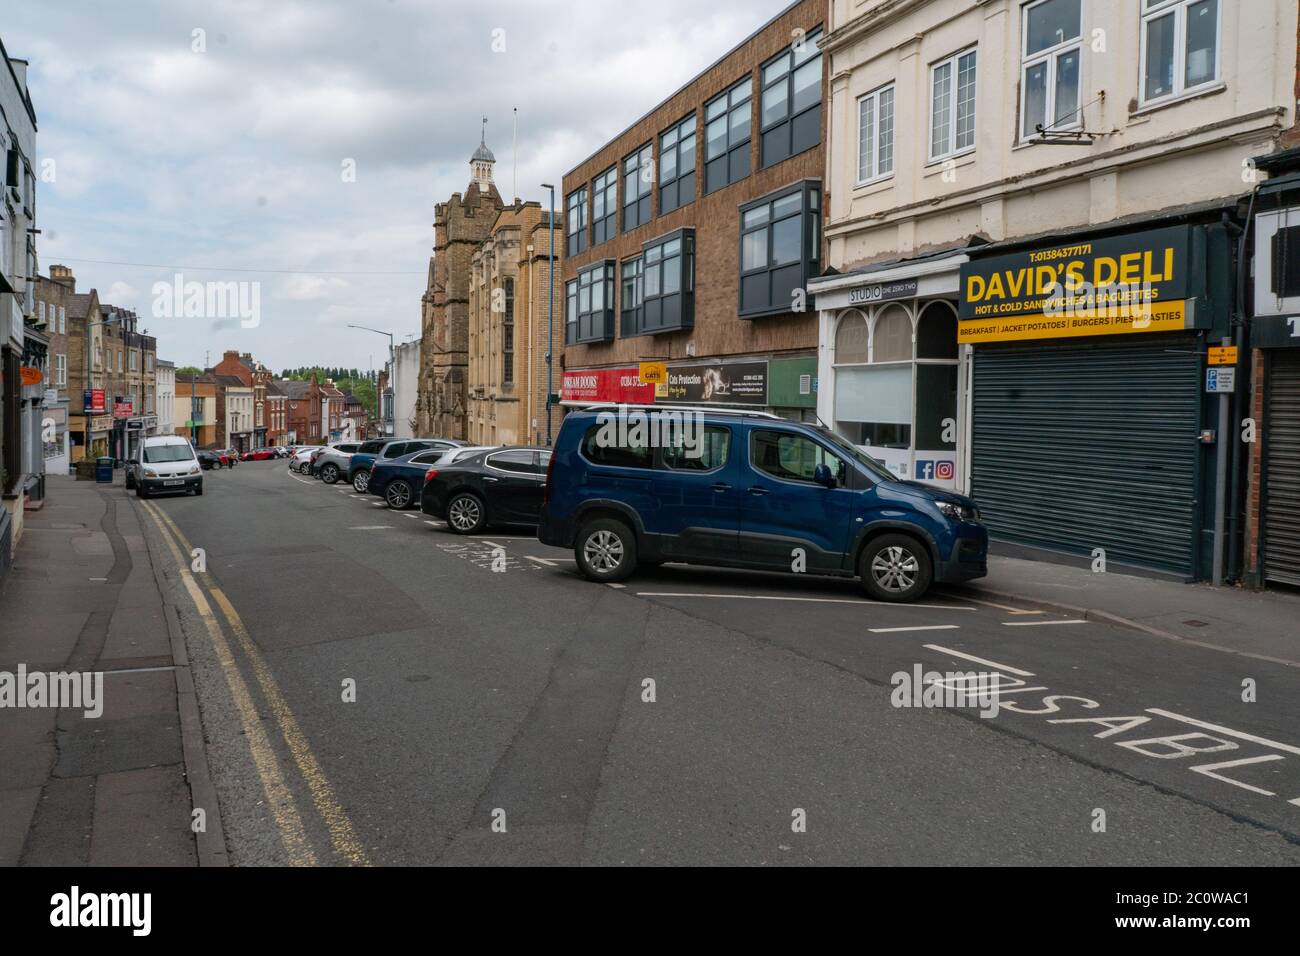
(428, 458)
(520, 462)
(599, 450)
(792, 457)
(709, 450)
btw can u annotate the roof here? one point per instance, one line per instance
(230, 381)
(294, 388)
(79, 304)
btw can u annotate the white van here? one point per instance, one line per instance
(164, 463)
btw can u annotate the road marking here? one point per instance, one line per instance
(549, 564)
(777, 597)
(614, 584)
(980, 660)
(922, 627)
(356, 496)
(302, 480)
(412, 517)
(99, 579)
(142, 670)
(369, 527)
(278, 797)
(550, 559)
(436, 524)
(342, 833)
(1077, 620)
(1000, 607)
(1240, 735)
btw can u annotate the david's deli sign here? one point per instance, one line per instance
(1131, 283)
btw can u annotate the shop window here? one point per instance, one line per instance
(893, 337)
(1049, 71)
(604, 206)
(851, 339)
(677, 166)
(727, 123)
(638, 175)
(780, 250)
(791, 101)
(936, 332)
(1180, 47)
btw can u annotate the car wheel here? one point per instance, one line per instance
(895, 567)
(605, 550)
(329, 474)
(140, 492)
(130, 481)
(199, 490)
(466, 513)
(398, 494)
(360, 482)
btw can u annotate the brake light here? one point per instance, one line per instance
(430, 474)
(550, 467)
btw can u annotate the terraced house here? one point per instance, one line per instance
(691, 237)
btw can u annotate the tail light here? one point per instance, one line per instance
(431, 474)
(550, 468)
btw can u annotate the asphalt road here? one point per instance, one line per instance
(525, 715)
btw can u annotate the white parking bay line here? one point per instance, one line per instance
(614, 584)
(412, 517)
(1073, 620)
(812, 600)
(549, 564)
(1000, 607)
(436, 524)
(980, 660)
(923, 627)
(370, 527)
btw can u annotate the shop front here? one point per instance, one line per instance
(1093, 428)
(889, 358)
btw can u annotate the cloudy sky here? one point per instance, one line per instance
(228, 162)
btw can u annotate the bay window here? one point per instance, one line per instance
(780, 249)
(668, 283)
(589, 305)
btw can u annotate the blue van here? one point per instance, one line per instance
(749, 490)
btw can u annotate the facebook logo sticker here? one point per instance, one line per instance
(924, 469)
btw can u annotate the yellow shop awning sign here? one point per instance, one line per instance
(1165, 317)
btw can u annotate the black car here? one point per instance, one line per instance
(209, 460)
(500, 487)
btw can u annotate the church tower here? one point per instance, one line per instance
(459, 226)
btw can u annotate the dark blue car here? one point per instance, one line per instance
(377, 449)
(399, 481)
(748, 490)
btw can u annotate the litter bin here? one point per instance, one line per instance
(104, 469)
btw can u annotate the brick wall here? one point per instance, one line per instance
(715, 217)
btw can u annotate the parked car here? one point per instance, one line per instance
(333, 461)
(501, 487)
(164, 463)
(209, 460)
(258, 454)
(226, 457)
(762, 493)
(301, 457)
(400, 481)
(372, 451)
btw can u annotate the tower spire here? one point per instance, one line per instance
(481, 162)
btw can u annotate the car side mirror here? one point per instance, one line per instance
(823, 476)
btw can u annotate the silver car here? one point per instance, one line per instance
(333, 461)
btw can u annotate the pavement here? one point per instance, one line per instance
(375, 689)
(1252, 623)
(82, 596)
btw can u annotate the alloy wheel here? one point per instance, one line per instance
(603, 551)
(398, 495)
(463, 514)
(895, 569)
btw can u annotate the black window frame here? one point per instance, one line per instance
(639, 202)
(734, 163)
(575, 239)
(682, 183)
(777, 139)
(591, 325)
(508, 335)
(809, 262)
(662, 311)
(605, 188)
(629, 307)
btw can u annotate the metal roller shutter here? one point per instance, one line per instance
(1083, 446)
(1282, 464)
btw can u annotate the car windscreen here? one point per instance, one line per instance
(154, 454)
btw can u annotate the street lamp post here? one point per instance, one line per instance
(550, 318)
(390, 394)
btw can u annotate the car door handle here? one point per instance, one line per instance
(490, 478)
(721, 486)
(757, 490)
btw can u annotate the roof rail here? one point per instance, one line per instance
(703, 409)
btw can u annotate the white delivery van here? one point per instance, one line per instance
(165, 463)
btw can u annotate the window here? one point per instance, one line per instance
(791, 457)
(576, 230)
(61, 370)
(780, 242)
(1180, 46)
(712, 452)
(876, 135)
(952, 105)
(519, 461)
(638, 174)
(508, 336)
(589, 315)
(667, 299)
(1049, 71)
(630, 303)
(134, 358)
(727, 122)
(627, 455)
(791, 118)
(40, 311)
(604, 206)
(677, 166)
(63, 320)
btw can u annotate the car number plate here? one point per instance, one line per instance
(177, 481)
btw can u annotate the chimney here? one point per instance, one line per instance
(63, 275)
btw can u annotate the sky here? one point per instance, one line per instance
(299, 146)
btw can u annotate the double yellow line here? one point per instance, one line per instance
(278, 795)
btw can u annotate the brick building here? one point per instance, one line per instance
(302, 410)
(507, 327)
(460, 225)
(277, 421)
(691, 236)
